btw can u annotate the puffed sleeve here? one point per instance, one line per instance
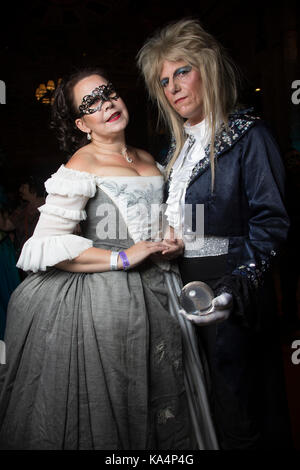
(53, 240)
(263, 183)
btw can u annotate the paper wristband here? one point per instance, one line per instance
(114, 260)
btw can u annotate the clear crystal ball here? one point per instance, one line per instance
(196, 298)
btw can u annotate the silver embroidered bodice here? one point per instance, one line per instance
(126, 207)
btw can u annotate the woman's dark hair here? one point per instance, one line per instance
(64, 111)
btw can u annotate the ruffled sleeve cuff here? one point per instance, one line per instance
(77, 215)
(40, 253)
(68, 182)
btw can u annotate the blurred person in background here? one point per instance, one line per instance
(9, 275)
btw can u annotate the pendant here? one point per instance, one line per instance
(125, 154)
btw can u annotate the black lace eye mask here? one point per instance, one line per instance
(97, 97)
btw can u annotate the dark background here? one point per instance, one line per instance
(44, 40)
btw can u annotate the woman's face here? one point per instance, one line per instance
(111, 118)
(183, 88)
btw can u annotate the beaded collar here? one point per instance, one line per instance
(238, 125)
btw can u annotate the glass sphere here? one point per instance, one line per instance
(196, 298)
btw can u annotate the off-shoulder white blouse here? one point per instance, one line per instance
(68, 191)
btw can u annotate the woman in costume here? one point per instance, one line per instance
(94, 348)
(227, 162)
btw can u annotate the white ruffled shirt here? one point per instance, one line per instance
(182, 170)
(68, 191)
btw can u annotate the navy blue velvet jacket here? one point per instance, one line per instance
(246, 204)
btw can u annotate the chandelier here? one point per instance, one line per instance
(45, 93)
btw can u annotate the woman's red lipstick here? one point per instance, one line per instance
(114, 117)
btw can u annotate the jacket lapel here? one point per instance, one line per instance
(225, 139)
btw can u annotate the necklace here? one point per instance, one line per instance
(124, 152)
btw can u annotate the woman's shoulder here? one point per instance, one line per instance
(81, 160)
(72, 178)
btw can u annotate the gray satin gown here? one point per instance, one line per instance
(95, 361)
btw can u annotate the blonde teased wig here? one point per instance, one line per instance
(187, 40)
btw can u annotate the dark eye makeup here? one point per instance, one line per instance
(164, 82)
(180, 71)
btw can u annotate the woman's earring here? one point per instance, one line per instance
(89, 137)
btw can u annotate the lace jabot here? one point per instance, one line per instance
(192, 151)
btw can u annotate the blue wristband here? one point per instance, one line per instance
(125, 261)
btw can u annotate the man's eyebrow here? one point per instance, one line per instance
(176, 71)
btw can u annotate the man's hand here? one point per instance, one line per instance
(174, 248)
(220, 311)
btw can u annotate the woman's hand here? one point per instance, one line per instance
(140, 251)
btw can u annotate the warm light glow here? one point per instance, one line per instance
(37, 93)
(257, 89)
(50, 85)
(40, 91)
(44, 93)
